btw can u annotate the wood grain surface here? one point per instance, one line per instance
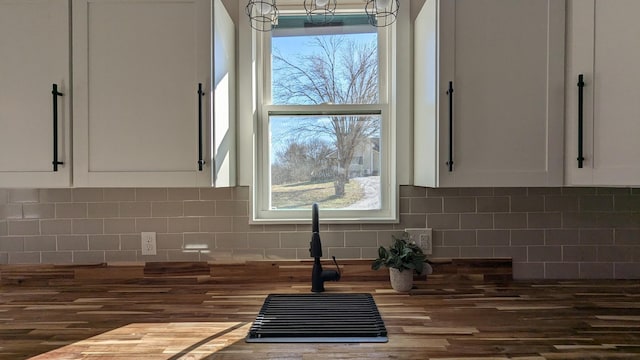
(187, 315)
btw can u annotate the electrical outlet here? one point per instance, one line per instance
(422, 238)
(148, 243)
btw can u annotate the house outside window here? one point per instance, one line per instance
(325, 126)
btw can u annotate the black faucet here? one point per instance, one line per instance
(319, 276)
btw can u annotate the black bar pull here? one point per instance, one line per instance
(201, 161)
(55, 93)
(450, 93)
(580, 120)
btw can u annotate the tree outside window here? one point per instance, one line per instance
(332, 157)
(326, 130)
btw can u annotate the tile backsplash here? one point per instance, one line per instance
(549, 232)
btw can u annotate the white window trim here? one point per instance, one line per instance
(389, 212)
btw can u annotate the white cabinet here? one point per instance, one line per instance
(602, 38)
(139, 116)
(505, 63)
(34, 55)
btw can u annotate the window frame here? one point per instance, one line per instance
(388, 212)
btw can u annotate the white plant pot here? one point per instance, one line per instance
(401, 281)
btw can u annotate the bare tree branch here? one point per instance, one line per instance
(340, 72)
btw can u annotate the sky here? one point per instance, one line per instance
(292, 47)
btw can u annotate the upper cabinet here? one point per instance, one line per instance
(144, 95)
(603, 110)
(35, 123)
(489, 93)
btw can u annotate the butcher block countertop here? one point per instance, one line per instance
(179, 311)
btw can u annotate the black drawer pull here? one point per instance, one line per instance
(201, 161)
(450, 93)
(580, 120)
(55, 93)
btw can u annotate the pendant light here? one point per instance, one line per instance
(320, 12)
(382, 12)
(263, 14)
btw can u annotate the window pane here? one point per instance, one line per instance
(330, 160)
(335, 64)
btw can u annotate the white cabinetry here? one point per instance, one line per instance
(602, 39)
(34, 55)
(505, 63)
(138, 67)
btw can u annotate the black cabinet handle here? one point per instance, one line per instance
(580, 120)
(450, 93)
(55, 93)
(201, 161)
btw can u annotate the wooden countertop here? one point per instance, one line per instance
(183, 317)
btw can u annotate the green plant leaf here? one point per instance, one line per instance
(377, 264)
(382, 252)
(401, 254)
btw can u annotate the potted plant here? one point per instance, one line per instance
(402, 258)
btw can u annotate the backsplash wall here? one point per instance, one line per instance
(549, 232)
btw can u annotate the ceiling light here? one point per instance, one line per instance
(263, 14)
(320, 11)
(382, 4)
(382, 12)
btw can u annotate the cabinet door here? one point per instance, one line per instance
(137, 68)
(505, 61)
(602, 37)
(34, 48)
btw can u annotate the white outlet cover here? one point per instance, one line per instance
(149, 246)
(422, 237)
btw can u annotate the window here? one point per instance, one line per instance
(325, 125)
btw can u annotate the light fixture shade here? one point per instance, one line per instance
(382, 12)
(320, 12)
(382, 4)
(263, 14)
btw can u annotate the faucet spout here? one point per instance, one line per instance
(318, 275)
(315, 226)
